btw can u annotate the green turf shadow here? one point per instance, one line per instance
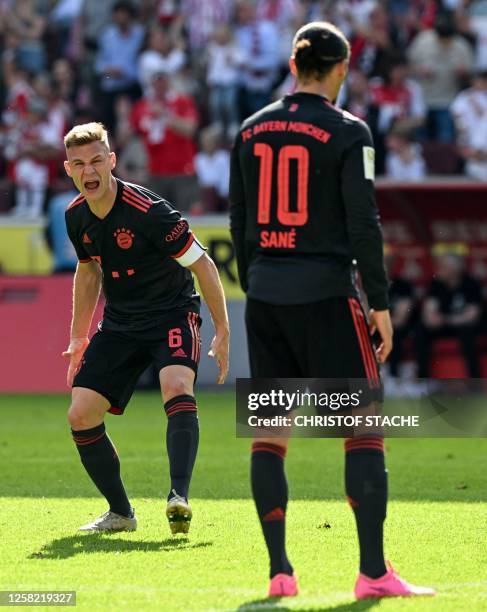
(63, 548)
(263, 604)
(274, 604)
(364, 604)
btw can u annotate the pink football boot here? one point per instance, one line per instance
(388, 585)
(283, 585)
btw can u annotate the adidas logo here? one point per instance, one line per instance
(179, 353)
(87, 239)
(274, 515)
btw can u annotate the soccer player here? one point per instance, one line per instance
(302, 209)
(139, 247)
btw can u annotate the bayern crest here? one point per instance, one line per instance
(124, 238)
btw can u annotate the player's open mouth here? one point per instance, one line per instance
(92, 185)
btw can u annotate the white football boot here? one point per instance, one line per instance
(110, 521)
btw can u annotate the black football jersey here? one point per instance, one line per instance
(302, 204)
(142, 246)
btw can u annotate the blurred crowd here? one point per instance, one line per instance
(173, 79)
(451, 307)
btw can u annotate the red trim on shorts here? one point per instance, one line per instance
(368, 345)
(115, 410)
(84, 260)
(185, 248)
(195, 336)
(352, 502)
(368, 359)
(266, 447)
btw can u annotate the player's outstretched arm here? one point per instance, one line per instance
(86, 291)
(212, 290)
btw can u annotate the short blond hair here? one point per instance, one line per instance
(85, 133)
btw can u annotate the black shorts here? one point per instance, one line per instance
(114, 361)
(328, 339)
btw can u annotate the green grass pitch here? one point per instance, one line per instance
(435, 531)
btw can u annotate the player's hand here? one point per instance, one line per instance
(220, 348)
(75, 351)
(380, 321)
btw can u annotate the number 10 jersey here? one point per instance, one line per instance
(302, 204)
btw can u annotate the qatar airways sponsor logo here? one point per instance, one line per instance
(177, 231)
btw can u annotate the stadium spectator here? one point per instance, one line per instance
(474, 15)
(167, 12)
(469, 110)
(398, 100)
(116, 61)
(224, 62)
(161, 55)
(213, 170)
(358, 99)
(37, 144)
(259, 40)
(441, 59)
(372, 43)
(65, 81)
(58, 111)
(201, 19)
(132, 156)
(94, 18)
(167, 121)
(62, 18)
(27, 26)
(404, 160)
(452, 308)
(280, 12)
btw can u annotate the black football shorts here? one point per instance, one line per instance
(329, 339)
(114, 361)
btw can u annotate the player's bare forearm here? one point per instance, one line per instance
(212, 291)
(86, 291)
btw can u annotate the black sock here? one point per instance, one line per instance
(366, 488)
(182, 440)
(269, 488)
(100, 460)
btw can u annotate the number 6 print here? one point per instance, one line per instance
(175, 339)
